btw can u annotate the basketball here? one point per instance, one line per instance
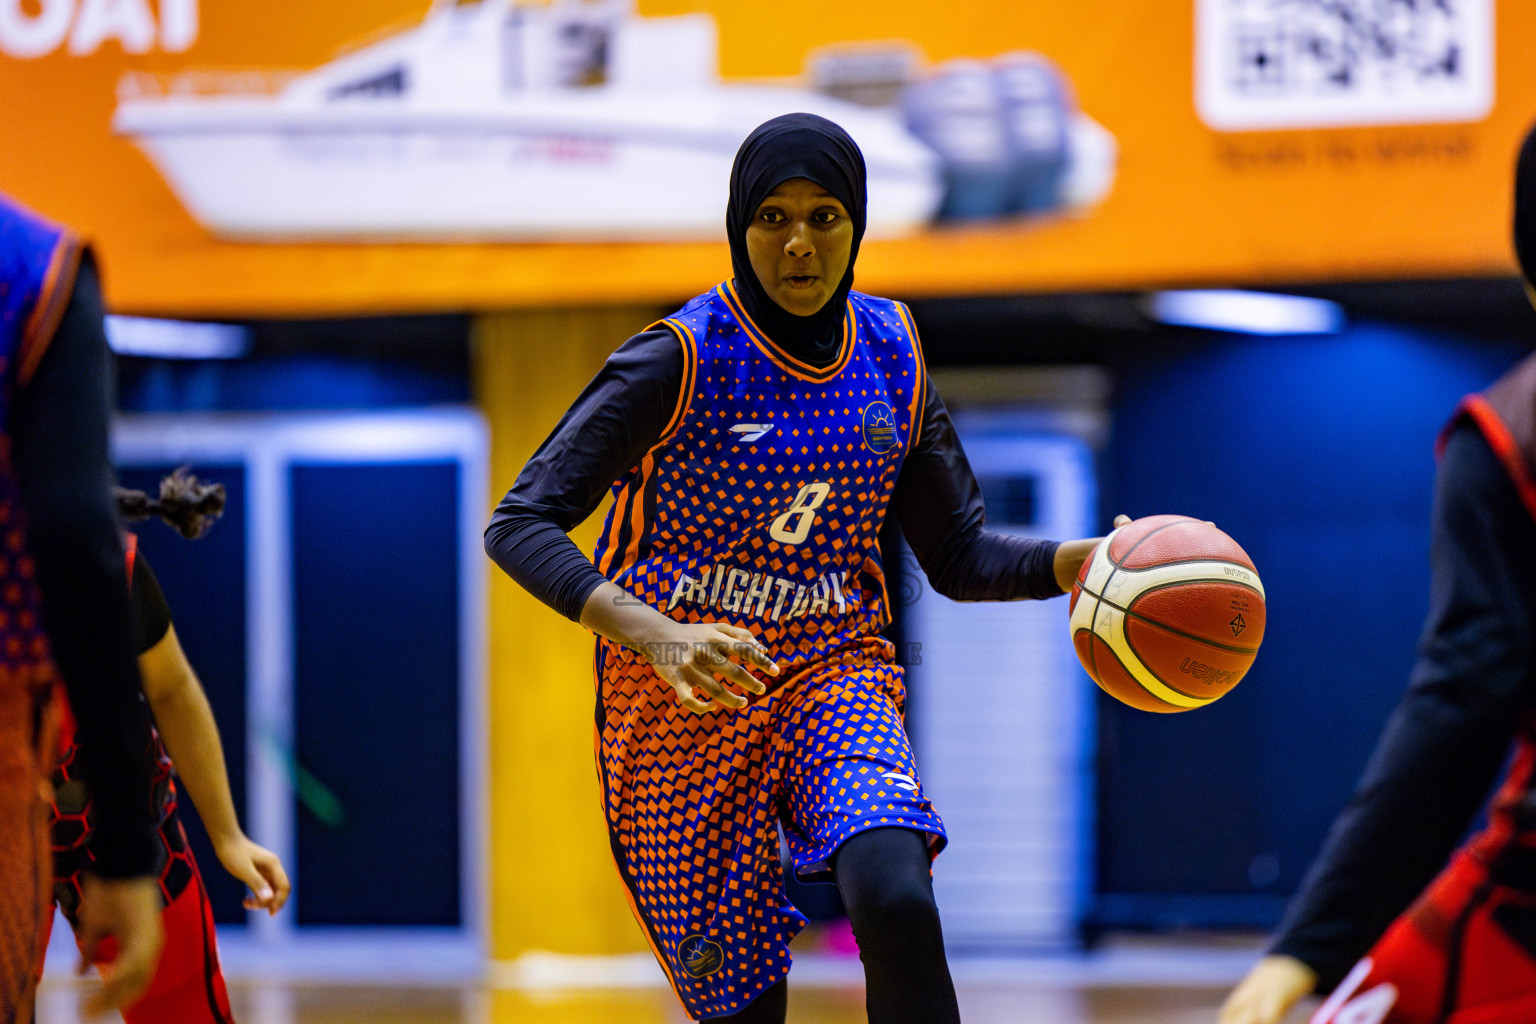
(1167, 614)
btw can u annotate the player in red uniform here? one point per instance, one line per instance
(754, 441)
(188, 986)
(1373, 925)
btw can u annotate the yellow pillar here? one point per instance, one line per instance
(553, 883)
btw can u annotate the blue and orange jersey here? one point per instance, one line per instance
(762, 501)
(38, 261)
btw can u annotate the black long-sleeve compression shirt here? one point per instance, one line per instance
(59, 429)
(1444, 745)
(621, 414)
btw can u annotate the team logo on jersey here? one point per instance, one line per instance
(699, 956)
(879, 427)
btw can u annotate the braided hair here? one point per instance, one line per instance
(186, 503)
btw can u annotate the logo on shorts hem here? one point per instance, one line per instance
(699, 956)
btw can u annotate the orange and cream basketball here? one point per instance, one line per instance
(1167, 614)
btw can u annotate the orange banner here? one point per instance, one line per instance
(339, 157)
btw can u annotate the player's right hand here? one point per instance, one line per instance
(690, 655)
(1071, 554)
(128, 908)
(259, 868)
(1274, 985)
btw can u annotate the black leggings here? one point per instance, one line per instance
(883, 876)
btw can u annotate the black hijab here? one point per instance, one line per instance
(795, 146)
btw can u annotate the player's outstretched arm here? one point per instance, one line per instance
(186, 723)
(1269, 991)
(939, 505)
(688, 655)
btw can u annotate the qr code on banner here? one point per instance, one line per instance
(1326, 63)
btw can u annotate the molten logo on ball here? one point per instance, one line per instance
(1205, 673)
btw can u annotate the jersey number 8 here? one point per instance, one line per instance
(803, 511)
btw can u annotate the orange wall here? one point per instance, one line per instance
(1189, 205)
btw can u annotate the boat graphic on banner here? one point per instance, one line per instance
(580, 119)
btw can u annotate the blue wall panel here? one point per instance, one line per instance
(376, 691)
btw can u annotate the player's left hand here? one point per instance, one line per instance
(128, 909)
(260, 869)
(1071, 555)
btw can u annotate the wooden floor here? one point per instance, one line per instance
(1125, 979)
(980, 1004)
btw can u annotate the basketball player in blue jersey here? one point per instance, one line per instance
(754, 441)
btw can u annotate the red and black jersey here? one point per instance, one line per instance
(72, 815)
